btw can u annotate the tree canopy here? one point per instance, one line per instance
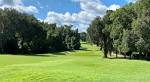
(23, 33)
(124, 31)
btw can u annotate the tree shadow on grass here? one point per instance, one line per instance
(58, 53)
(127, 58)
(36, 55)
(40, 55)
(50, 54)
(117, 58)
(84, 49)
(84, 42)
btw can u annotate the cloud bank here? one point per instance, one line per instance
(131, 1)
(18, 5)
(89, 10)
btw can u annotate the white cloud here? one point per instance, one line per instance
(89, 10)
(93, 6)
(113, 7)
(18, 5)
(10, 2)
(131, 1)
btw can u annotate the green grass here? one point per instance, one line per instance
(85, 65)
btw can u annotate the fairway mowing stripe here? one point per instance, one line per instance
(41, 64)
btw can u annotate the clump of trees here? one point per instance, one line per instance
(23, 33)
(125, 31)
(83, 36)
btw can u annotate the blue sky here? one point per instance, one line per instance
(63, 6)
(70, 12)
(59, 6)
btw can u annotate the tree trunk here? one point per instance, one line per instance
(2, 38)
(109, 53)
(140, 55)
(130, 56)
(105, 46)
(105, 54)
(125, 55)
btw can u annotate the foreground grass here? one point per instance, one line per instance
(85, 65)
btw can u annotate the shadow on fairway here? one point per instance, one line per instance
(58, 53)
(128, 58)
(117, 58)
(36, 55)
(85, 49)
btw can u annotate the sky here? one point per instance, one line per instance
(79, 13)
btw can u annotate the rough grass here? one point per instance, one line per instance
(86, 65)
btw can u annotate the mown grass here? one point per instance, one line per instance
(86, 65)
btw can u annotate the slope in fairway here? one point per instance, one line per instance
(85, 65)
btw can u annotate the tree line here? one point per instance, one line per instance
(21, 33)
(125, 31)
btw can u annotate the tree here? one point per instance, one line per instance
(23, 33)
(99, 35)
(83, 36)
